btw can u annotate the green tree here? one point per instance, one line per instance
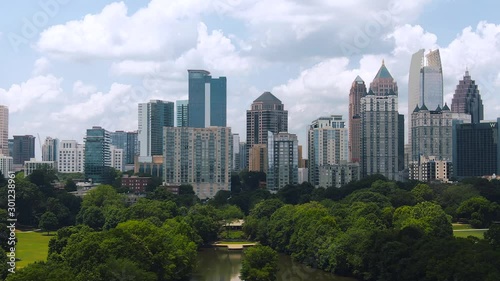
(48, 222)
(478, 211)
(423, 192)
(493, 235)
(103, 196)
(259, 264)
(205, 219)
(43, 271)
(426, 216)
(93, 217)
(70, 185)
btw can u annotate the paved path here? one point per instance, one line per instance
(475, 229)
(234, 246)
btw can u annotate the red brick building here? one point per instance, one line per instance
(135, 184)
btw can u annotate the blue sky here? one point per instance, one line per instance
(72, 64)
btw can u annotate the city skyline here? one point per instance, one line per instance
(80, 86)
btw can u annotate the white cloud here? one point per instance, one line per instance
(42, 66)
(35, 92)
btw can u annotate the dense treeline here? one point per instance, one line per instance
(381, 230)
(372, 229)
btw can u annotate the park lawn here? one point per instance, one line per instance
(464, 234)
(458, 226)
(31, 247)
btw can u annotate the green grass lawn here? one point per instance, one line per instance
(464, 234)
(31, 247)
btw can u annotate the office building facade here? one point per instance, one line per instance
(23, 149)
(327, 144)
(467, 99)
(201, 157)
(207, 100)
(33, 164)
(97, 163)
(283, 160)
(153, 116)
(267, 114)
(476, 149)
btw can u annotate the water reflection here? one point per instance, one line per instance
(224, 265)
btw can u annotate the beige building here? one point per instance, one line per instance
(257, 159)
(429, 169)
(201, 157)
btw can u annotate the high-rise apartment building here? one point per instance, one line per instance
(327, 145)
(425, 83)
(71, 157)
(283, 167)
(201, 157)
(207, 100)
(243, 156)
(380, 136)
(432, 132)
(97, 154)
(267, 114)
(153, 116)
(128, 142)
(429, 169)
(467, 99)
(337, 175)
(476, 149)
(358, 90)
(4, 130)
(24, 149)
(49, 149)
(182, 113)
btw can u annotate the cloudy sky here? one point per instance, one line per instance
(68, 65)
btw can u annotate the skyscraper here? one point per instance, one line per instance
(425, 84)
(236, 153)
(267, 114)
(4, 130)
(128, 142)
(182, 114)
(207, 100)
(283, 167)
(327, 145)
(358, 90)
(467, 99)
(201, 157)
(24, 149)
(153, 116)
(383, 84)
(476, 149)
(49, 149)
(97, 163)
(380, 137)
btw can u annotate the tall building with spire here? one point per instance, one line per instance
(467, 99)
(383, 83)
(381, 143)
(358, 90)
(425, 84)
(267, 114)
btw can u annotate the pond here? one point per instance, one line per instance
(218, 264)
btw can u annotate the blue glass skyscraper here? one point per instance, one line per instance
(207, 100)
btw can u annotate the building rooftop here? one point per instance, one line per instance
(267, 97)
(383, 72)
